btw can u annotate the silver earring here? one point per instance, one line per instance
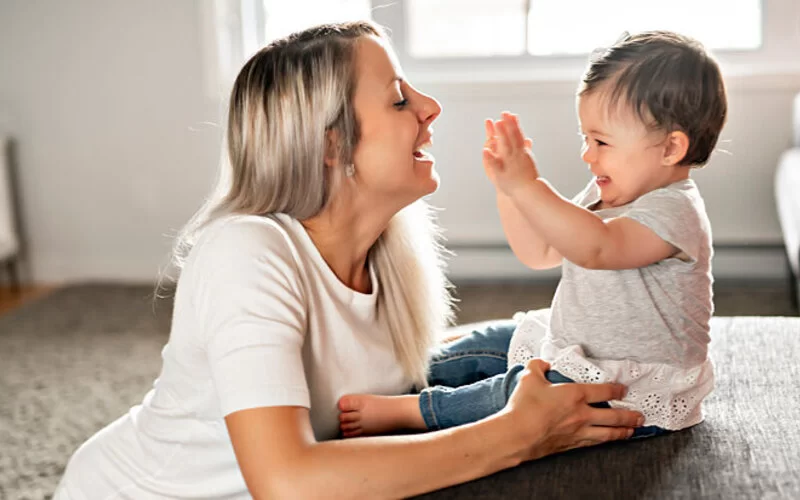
(350, 170)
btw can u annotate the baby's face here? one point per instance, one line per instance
(626, 158)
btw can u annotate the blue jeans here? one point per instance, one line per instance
(470, 379)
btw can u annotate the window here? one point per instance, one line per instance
(283, 17)
(504, 40)
(236, 29)
(477, 28)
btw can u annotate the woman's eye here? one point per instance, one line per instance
(401, 104)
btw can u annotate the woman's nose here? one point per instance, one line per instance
(430, 108)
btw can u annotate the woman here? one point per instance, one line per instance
(314, 272)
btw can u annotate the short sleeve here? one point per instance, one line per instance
(251, 311)
(674, 215)
(586, 195)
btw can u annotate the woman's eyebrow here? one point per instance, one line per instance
(395, 79)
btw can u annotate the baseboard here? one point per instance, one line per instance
(496, 262)
(471, 262)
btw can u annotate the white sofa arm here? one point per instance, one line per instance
(9, 240)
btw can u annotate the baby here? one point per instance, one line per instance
(634, 301)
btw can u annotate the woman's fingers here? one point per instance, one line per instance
(538, 365)
(599, 393)
(590, 436)
(615, 417)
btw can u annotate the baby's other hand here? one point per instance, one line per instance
(490, 151)
(507, 156)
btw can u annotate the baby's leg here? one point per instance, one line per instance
(443, 407)
(476, 356)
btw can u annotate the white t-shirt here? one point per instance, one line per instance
(259, 320)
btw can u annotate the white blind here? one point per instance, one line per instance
(475, 28)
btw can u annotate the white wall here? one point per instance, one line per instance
(107, 99)
(107, 102)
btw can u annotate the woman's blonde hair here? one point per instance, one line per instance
(284, 101)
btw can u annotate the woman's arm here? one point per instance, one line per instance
(279, 457)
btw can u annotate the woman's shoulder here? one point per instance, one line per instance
(234, 240)
(245, 232)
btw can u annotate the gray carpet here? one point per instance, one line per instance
(76, 359)
(69, 364)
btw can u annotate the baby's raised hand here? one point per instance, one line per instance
(507, 156)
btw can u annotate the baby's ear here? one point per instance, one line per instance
(676, 146)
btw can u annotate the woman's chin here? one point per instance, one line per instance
(432, 182)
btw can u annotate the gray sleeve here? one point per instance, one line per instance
(674, 216)
(583, 197)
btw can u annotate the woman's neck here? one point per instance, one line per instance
(344, 243)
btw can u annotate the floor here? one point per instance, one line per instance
(10, 299)
(478, 301)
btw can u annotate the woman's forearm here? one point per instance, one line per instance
(558, 221)
(401, 466)
(279, 457)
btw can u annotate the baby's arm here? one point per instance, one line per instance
(523, 239)
(576, 233)
(586, 240)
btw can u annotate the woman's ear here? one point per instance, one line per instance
(331, 148)
(677, 144)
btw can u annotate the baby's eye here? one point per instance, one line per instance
(600, 143)
(401, 104)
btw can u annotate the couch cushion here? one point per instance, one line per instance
(748, 446)
(787, 198)
(796, 121)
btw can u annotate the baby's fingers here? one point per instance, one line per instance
(491, 161)
(503, 141)
(513, 129)
(489, 126)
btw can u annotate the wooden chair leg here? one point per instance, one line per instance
(12, 269)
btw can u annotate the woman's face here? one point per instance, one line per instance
(395, 127)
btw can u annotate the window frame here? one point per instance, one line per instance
(778, 22)
(224, 48)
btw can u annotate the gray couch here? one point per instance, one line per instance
(787, 196)
(747, 448)
(749, 445)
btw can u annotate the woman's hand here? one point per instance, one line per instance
(507, 156)
(555, 418)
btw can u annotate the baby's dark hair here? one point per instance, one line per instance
(669, 81)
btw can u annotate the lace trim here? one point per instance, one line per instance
(668, 396)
